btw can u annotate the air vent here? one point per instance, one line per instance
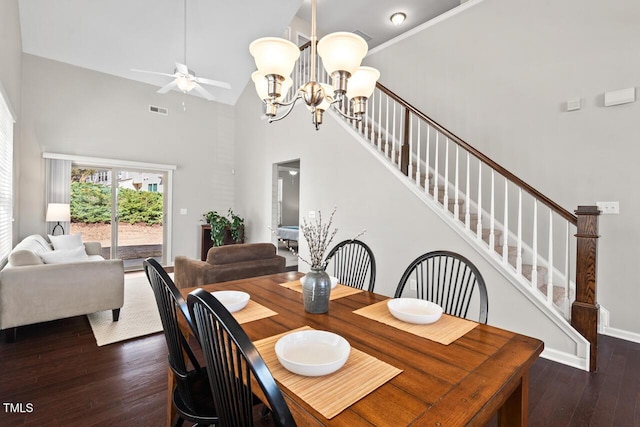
(158, 110)
(365, 36)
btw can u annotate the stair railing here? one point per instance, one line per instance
(533, 237)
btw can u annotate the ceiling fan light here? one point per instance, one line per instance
(185, 84)
(363, 82)
(342, 51)
(274, 55)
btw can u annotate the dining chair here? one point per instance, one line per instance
(446, 278)
(353, 264)
(232, 362)
(192, 395)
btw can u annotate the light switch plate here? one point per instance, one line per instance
(622, 96)
(183, 211)
(574, 104)
(608, 208)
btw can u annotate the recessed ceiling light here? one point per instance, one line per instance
(398, 18)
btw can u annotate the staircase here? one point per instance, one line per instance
(546, 251)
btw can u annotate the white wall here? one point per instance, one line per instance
(499, 74)
(336, 170)
(10, 77)
(71, 110)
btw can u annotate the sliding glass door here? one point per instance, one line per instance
(122, 209)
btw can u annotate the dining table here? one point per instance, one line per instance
(453, 372)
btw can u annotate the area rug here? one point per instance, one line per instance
(138, 316)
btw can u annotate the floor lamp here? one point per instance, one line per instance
(57, 212)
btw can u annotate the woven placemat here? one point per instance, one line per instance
(445, 331)
(338, 292)
(253, 311)
(330, 394)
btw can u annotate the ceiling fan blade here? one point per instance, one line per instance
(182, 69)
(202, 91)
(210, 82)
(166, 88)
(152, 72)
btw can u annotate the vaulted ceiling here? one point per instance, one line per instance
(115, 36)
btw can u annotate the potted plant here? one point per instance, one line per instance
(225, 230)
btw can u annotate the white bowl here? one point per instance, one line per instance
(334, 281)
(414, 310)
(232, 300)
(312, 353)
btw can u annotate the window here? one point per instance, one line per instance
(6, 176)
(152, 187)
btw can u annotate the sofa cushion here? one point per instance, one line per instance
(63, 256)
(34, 243)
(20, 257)
(231, 254)
(66, 241)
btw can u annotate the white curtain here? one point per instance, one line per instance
(58, 187)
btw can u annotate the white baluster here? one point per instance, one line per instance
(393, 138)
(534, 246)
(419, 156)
(370, 122)
(410, 130)
(492, 213)
(550, 261)
(519, 244)
(467, 216)
(479, 225)
(567, 278)
(379, 118)
(437, 167)
(427, 165)
(445, 184)
(456, 204)
(505, 228)
(386, 130)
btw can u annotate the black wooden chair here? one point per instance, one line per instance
(446, 278)
(192, 395)
(232, 360)
(353, 264)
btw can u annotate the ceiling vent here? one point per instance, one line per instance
(158, 110)
(365, 36)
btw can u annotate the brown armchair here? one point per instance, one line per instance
(230, 262)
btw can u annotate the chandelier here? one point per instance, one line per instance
(341, 55)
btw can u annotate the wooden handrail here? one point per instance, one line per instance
(500, 169)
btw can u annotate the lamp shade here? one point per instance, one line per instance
(362, 82)
(58, 212)
(262, 86)
(342, 51)
(274, 55)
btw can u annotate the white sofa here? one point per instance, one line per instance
(32, 291)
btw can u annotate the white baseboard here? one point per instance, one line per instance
(605, 329)
(566, 358)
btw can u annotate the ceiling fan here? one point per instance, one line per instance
(184, 78)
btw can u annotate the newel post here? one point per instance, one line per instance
(584, 310)
(404, 149)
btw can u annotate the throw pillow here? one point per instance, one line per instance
(66, 241)
(22, 257)
(63, 256)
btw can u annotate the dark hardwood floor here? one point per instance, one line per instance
(56, 369)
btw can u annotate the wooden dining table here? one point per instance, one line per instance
(482, 373)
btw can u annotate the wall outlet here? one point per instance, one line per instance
(183, 211)
(413, 286)
(608, 208)
(312, 214)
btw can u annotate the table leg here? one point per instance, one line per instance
(515, 411)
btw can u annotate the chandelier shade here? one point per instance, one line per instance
(274, 55)
(362, 82)
(342, 52)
